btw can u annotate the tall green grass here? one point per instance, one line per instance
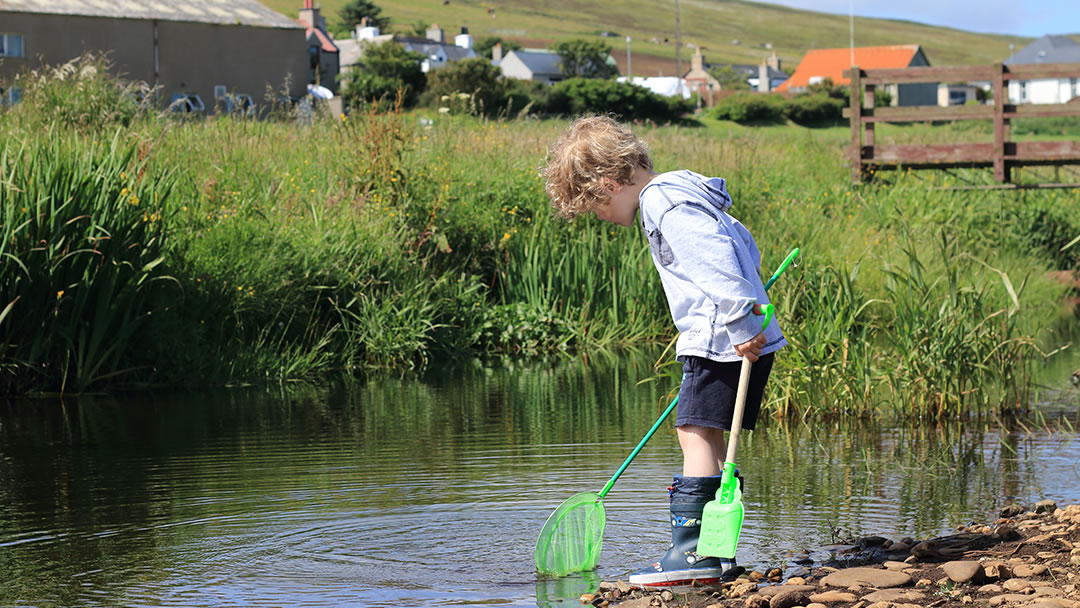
(277, 249)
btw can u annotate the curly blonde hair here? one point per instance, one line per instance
(592, 149)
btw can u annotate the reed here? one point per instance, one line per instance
(282, 249)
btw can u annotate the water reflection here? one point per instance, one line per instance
(430, 491)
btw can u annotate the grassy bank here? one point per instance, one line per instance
(139, 249)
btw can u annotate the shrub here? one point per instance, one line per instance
(82, 93)
(385, 70)
(810, 109)
(750, 107)
(629, 101)
(476, 78)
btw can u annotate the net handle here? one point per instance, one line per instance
(656, 425)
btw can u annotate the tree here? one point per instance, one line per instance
(729, 79)
(354, 11)
(475, 77)
(382, 71)
(484, 45)
(582, 58)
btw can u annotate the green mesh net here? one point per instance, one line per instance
(570, 539)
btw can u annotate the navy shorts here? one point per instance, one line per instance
(708, 391)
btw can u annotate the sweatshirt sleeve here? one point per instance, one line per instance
(705, 249)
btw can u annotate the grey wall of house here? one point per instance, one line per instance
(197, 56)
(918, 94)
(193, 57)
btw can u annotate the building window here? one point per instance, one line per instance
(1075, 82)
(1023, 91)
(10, 96)
(11, 45)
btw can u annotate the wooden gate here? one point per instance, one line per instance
(1002, 154)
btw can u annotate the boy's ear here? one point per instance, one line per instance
(611, 186)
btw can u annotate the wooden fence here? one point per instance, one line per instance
(1002, 154)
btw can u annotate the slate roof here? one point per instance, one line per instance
(538, 62)
(831, 63)
(428, 48)
(1048, 49)
(751, 71)
(223, 12)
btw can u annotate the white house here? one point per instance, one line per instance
(1048, 49)
(666, 86)
(435, 50)
(531, 64)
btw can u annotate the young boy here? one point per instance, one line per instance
(709, 266)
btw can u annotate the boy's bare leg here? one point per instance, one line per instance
(704, 449)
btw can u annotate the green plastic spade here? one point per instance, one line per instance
(721, 520)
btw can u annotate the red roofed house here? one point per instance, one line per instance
(324, 56)
(817, 65)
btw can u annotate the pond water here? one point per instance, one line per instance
(430, 491)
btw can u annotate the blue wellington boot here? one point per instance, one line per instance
(681, 565)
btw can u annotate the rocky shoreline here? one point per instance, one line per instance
(1028, 558)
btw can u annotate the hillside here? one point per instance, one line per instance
(734, 31)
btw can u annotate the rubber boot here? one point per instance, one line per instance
(682, 565)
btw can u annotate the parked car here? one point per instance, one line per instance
(186, 103)
(236, 104)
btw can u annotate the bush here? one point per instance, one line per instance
(810, 109)
(750, 107)
(629, 101)
(475, 77)
(82, 93)
(385, 70)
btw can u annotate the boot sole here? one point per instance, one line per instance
(678, 577)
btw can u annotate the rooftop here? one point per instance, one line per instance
(222, 12)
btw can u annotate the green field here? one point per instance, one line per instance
(143, 250)
(712, 25)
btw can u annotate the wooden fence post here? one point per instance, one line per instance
(856, 124)
(1001, 173)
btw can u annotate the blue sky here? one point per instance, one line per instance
(1031, 18)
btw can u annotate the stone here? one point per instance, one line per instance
(789, 598)
(898, 566)
(996, 571)
(963, 572)
(923, 582)
(1052, 603)
(896, 595)
(816, 605)
(1008, 598)
(1012, 511)
(866, 577)
(829, 597)
(992, 588)
(1026, 571)
(1045, 506)
(775, 589)
(587, 598)
(1006, 532)
(666, 595)
(742, 590)
(1048, 592)
(795, 580)
(1016, 585)
(756, 601)
(870, 541)
(755, 576)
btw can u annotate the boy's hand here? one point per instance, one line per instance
(752, 348)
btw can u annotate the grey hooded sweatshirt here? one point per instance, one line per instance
(708, 263)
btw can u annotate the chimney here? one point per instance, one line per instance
(774, 61)
(697, 62)
(435, 33)
(310, 15)
(764, 85)
(496, 52)
(464, 39)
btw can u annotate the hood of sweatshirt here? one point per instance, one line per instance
(693, 185)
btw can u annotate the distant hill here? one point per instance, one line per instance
(727, 31)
